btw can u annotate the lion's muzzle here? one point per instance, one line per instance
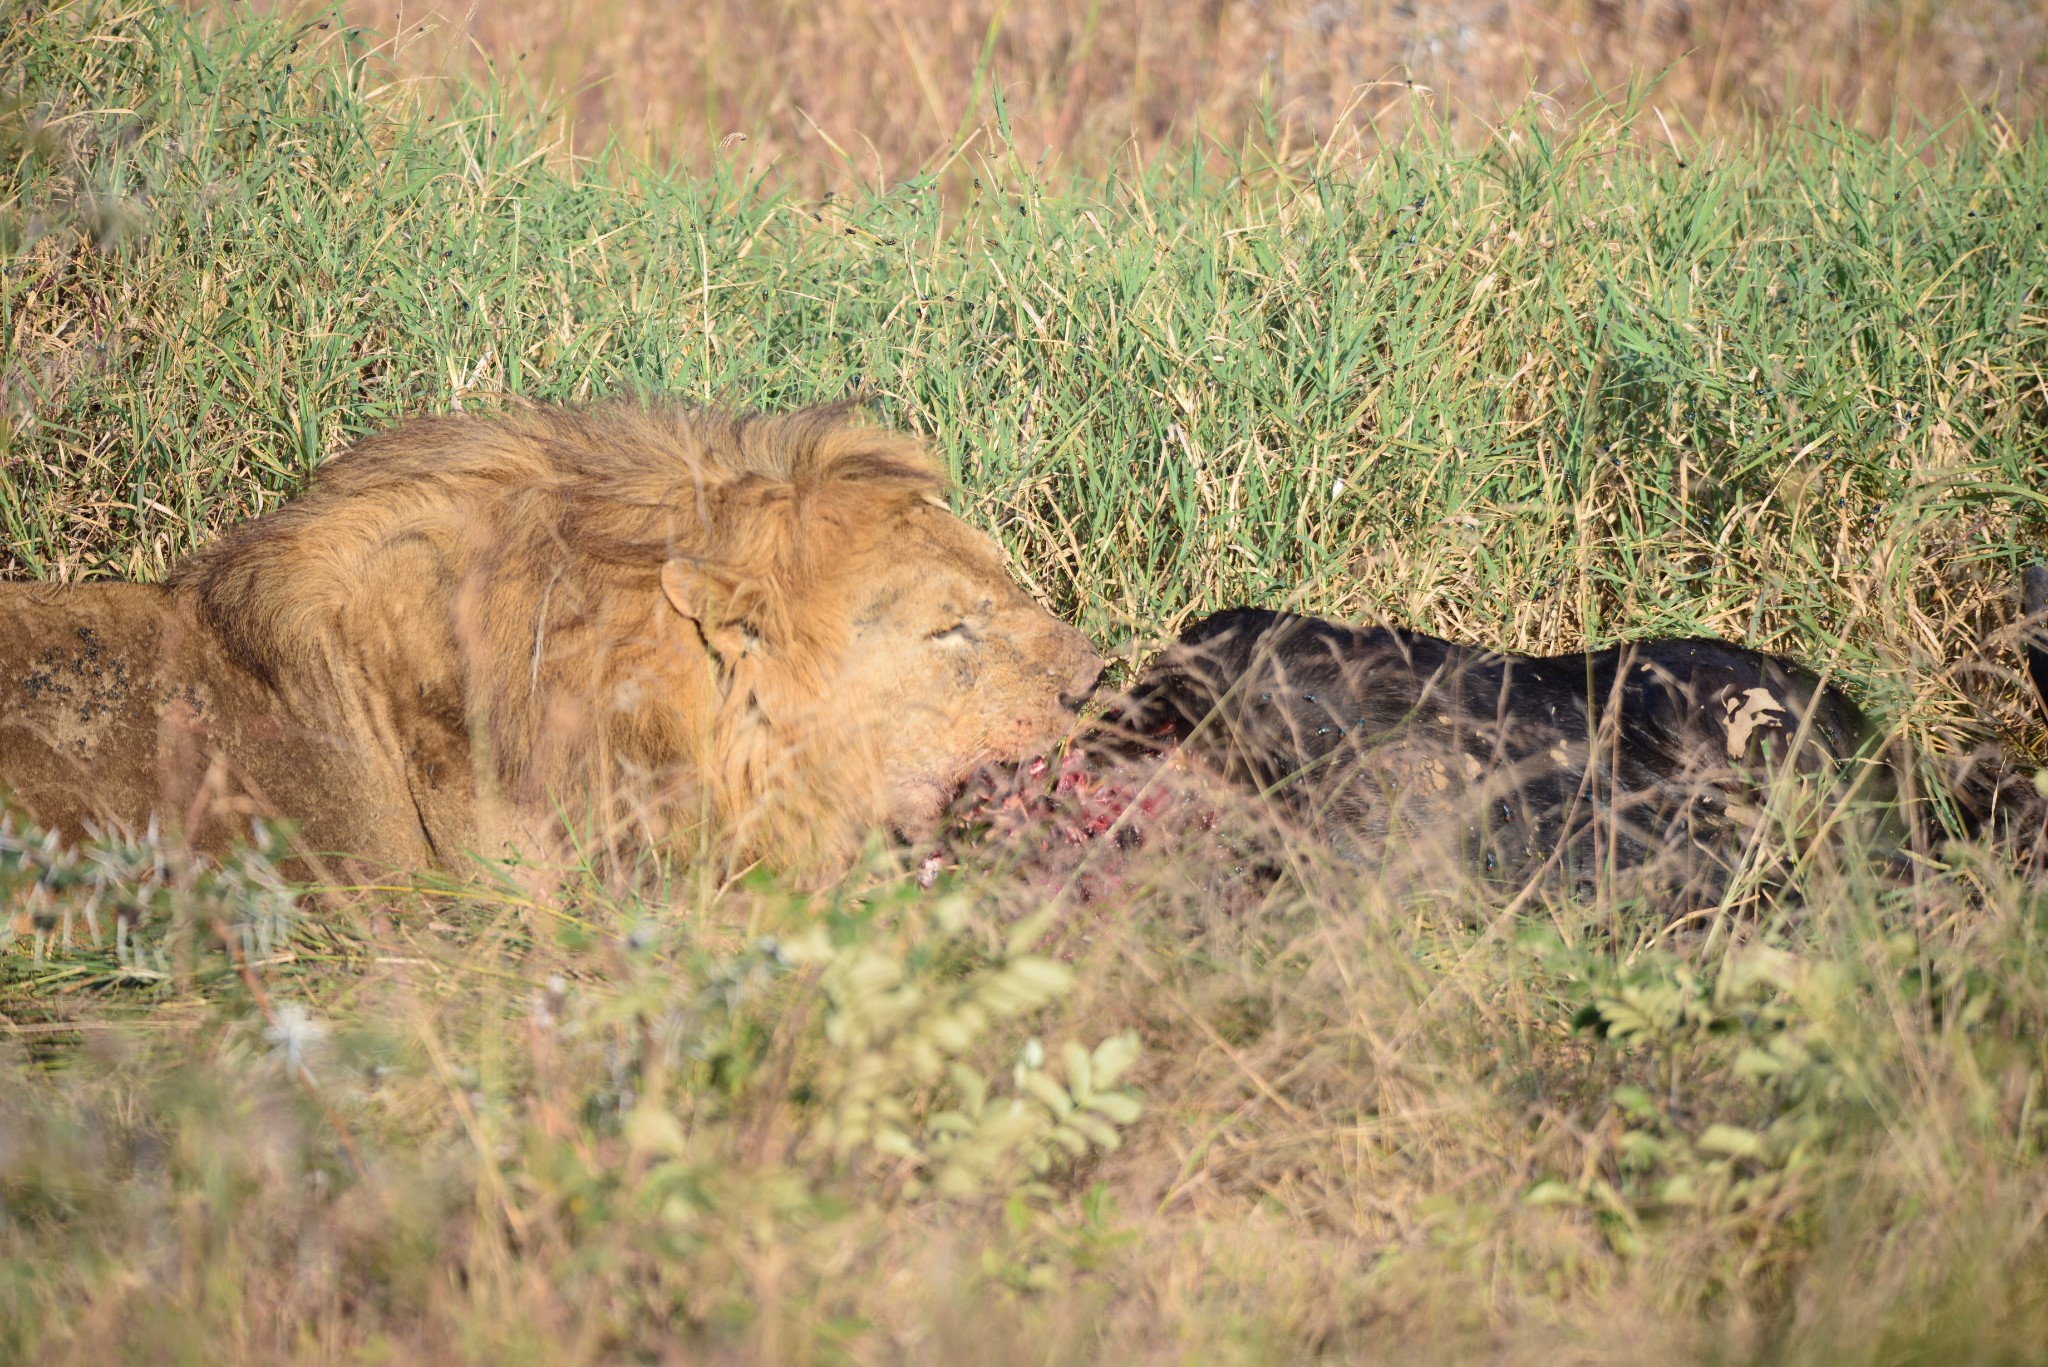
(1084, 671)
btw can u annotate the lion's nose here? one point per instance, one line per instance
(1081, 686)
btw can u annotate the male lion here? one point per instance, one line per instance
(474, 634)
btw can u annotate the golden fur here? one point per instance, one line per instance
(471, 630)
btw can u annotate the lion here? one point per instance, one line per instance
(482, 636)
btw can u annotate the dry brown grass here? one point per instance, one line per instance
(878, 89)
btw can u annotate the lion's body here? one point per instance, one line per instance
(123, 708)
(472, 631)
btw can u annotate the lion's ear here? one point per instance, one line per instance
(710, 602)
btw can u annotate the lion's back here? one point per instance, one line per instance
(82, 699)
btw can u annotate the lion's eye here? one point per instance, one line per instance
(959, 631)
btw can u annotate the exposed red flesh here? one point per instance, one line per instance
(1067, 818)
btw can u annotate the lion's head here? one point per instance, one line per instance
(772, 621)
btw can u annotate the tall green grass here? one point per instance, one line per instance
(1626, 382)
(1585, 383)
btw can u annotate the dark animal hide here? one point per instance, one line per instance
(1649, 766)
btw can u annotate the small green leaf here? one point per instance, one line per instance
(1731, 1140)
(971, 1086)
(1114, 1056)
(1757, 1063)
(1633, 1102)
(893, 1142)
(1640, 1151)
(1042, 977)
(1551, 1192)
(1118, 1107)
(1076, 1059)
(1102, 1134)
(1051, 1093)
(1070, 1139)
